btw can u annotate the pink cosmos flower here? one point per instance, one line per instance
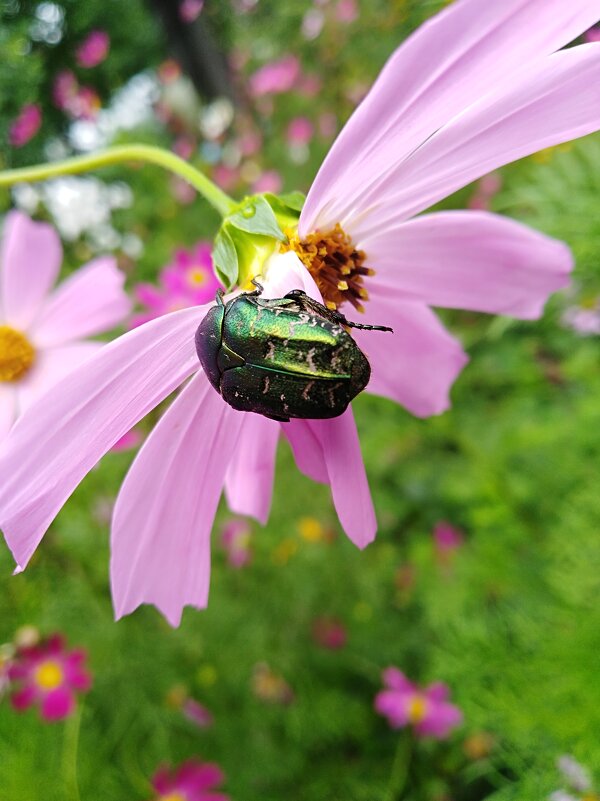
(275, 78)
(329, 632)
(478, 86)
(427, 711)
(26, 125)
(300, 131)
(269, 181)
(192, 781)
(188, 280)
(198, 714)
(447, 538)
(79, 102)
(49, 675)
(93, 50)
(190, 10)
(593, 35)
(44, 332)
(128, 441)
(346, 11)
(235, 539)
(485, 191)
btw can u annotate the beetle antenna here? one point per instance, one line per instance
(350, 324)
(259, 288)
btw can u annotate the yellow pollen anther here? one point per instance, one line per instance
(417, 709)
(335, 264)
(16, 354)
(49, 675)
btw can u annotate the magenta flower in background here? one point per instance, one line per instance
(269, 181)
(330, 633)
(235, 539)
(128, 441)
(190, 10)
(275, 78)
(476, 87)
(187, 281)
(485, 191)
(191, 781)
(346, 11)
(44, 332)
(593, 35)
(93, 50)
(26, 125)
(300, 131)
(50, 675)
(447, 538)
(79, 102)
(197, 714)
(426, 710)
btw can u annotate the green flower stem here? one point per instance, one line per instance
(114, 155)
(399, 773)
(70, 753)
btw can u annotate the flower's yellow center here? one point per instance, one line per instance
(196, 277)
(16, 354)
(172, 797)
(49, 675)
(335, 264)
(417, 709)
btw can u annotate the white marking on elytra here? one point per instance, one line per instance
(307, 389)
(310, 359)
(270, 354)
(266, 385)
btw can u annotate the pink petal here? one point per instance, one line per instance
(556, 100)
(396, 680)
(426, 359)
(165, 509)
(30, 259)
(50, 367)
(437, 692)
(347, 477)
(22, 699)
(8, 409)
(58, 704)
(62, 436)
(307, 449)
(468, 50)
(90, 301)
(249, 479)
(440, 721)
(193, 777)
(393, 705)
(470, 260)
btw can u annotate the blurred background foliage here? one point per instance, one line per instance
(510, 620)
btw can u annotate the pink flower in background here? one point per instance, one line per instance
(312, 23)
(64, 88)
(593, 35)
(191, 781)
(197, 714)
(328, 124)
(300, 131)
(447, 538)
(50, 675)
(478, 86)
(187, 281)
(485, 191)
(426, 710)
(93, 50)
(43, 332)
(132, 439)
(190, 10)
(309, 85)
(269, 181)
(275, 78)
(26, 125)
(249, 143)
(584, 320)
(79, 102)
(226, 177)
(235, 539)
(346, 11)
(329, 632)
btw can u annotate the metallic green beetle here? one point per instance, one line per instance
(282, 358)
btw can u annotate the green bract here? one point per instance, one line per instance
(249, 235)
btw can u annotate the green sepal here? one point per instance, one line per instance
(252, 251)
(255, 216)
(286, 208)
(225, 258)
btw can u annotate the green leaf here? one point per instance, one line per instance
(257, 217)
(225, 258)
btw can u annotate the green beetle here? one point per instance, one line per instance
(282, 358)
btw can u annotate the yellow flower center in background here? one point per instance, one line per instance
(417, 709)
(49, 675)
(335, 264)
(172, 797)
(196, 277)
(16, 354)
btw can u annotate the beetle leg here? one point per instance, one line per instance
(219, 297)
(332, 315)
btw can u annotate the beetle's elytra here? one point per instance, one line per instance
(282, 358)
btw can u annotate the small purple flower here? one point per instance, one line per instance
(197, 714)
(426, 710)
(190, 10)
(276, 77)
(269, 181)
(26, 125)
(93, 50)
(192, 781)
(235, 539)
(447, 538)
(300, 131)
(330, 633)
(50, 675)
